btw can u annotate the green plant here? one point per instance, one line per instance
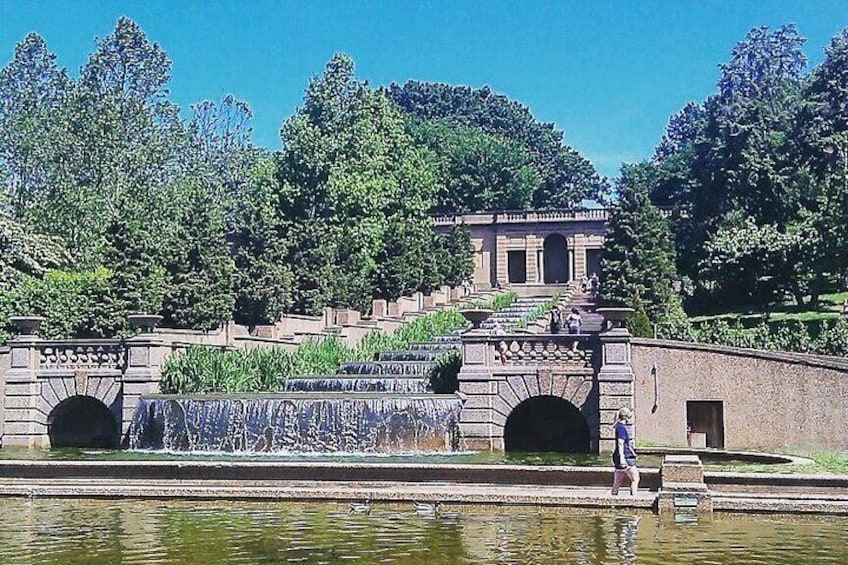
(444, 375)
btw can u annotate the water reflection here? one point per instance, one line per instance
(72, 532)
(458, 458)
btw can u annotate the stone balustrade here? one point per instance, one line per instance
(489, 350)
(103, 354)
(542, 349)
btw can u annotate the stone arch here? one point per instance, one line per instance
(555, 255)
(576, 389)
(83, 421)
(546, 423)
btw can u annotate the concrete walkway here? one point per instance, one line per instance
(374, 491)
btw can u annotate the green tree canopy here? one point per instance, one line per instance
(566, 177)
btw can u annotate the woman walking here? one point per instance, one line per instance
(624, 455)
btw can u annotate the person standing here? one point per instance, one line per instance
(624, 454)
(556, 320)
(572, 322)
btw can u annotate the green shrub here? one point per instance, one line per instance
(74, 304)
(640, 325)
(205, 370)
(444, 375)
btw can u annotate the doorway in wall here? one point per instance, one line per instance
(705, 423)
(556, 259)
(517, 266)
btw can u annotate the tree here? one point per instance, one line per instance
(263, 279)
(32, 90)
(348, 172)
(820, 155)
(566, 177)
(727, 158)
(638, 256)
(477, 170)
(199, 269)
(121, 142)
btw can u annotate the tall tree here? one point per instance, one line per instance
(32, 90)
(566, 176)
(477, 170)
(122, 142)
(263, 277)
(348, 172)
(820, 158)
(638, 262)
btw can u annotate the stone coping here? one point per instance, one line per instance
(451, 484)
(307, 395)
(808, 359)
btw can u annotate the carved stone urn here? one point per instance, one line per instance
(476, 316)
(616, 317)
(145, 323)
(26, 325)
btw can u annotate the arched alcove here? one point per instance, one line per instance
(83, 421)
(546, 423)
(556, 259)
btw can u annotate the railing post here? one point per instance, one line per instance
(25, 423)
(145, 355)
(478, 389)
(615, 377)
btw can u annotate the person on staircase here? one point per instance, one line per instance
(572, 321)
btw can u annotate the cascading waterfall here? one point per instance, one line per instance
(298, 422)
(381, 406)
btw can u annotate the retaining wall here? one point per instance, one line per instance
(771, 400)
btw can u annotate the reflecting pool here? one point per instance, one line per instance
(456, 458)
(67, 532)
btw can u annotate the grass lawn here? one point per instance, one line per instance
(825, 462)
(829, 307)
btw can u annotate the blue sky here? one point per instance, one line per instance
(609, 73)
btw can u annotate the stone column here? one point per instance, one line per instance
(540, 261)
(25, 423)
(571, 276)
(478, 391)
(530, 258)
(145, 356)
(615, 378)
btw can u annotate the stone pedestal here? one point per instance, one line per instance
(683, 491)
(145, 359)
(476, 383)
(615, 377)
(25, 423)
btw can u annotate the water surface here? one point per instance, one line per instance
(69, 532)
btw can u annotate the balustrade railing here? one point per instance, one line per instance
(101, 354)
(558, 349)
(588, 214)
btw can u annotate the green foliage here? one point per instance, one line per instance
(134, 256)
(203, 369)
(640, 325)
(476, 170)
(74, 304)
(199, 268)
(351, 179)
(566, 177)
(23, 252)
(638, 257)
(444, 374)
(263, 279)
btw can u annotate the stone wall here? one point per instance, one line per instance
(5, 363)
(772, 401)
(501, 372)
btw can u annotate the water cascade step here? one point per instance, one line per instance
(382, 405)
